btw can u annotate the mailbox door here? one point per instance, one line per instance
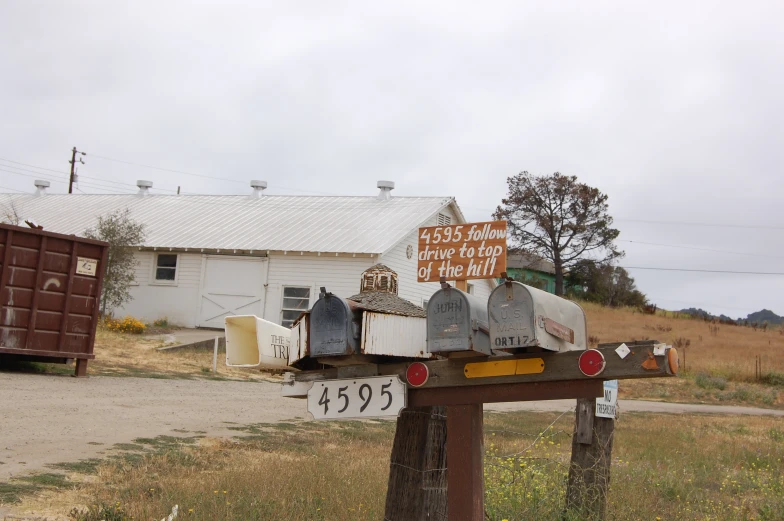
(511, 315)
(333, 331)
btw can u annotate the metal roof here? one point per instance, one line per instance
(529, 261)
(237, 222)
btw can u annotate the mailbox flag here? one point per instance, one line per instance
(255, 342)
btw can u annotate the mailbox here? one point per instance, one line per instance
(335, 326)
(525, 317)
(457, 322)
(255, 342)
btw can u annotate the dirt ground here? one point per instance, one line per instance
(47, 419)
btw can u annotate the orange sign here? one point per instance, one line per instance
(462, 251)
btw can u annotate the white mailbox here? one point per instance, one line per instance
(524, 317)
(255, 342)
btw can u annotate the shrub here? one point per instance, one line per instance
(773, 378)
(161, 322)
(711, 382)
(126, 325)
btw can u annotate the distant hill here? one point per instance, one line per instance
(758, 317)
(765, 315)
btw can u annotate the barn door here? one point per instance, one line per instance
(231, 286)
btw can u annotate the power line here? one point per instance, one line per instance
(35, 176)
(205, 176)
(702, 271)
(168, 169)
(33, 166)
(713, 225)
(14, 190)
(702, 249)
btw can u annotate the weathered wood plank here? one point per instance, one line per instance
(417, 468)
(558, 367)
(464, 459)
(589, 471)
(519, 392)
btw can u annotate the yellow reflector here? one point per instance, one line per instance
(530, 366)
(504, 368)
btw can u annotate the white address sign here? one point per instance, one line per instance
(357, 398)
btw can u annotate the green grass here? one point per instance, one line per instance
(86, 466)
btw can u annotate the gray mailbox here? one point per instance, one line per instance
(523, 317)
(335, 326)
(456, 321)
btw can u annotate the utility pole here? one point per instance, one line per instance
(73, 164)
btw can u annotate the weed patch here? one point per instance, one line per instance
(710, 382)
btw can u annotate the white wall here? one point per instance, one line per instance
(179, 302)
(340, 275)
(408, 287)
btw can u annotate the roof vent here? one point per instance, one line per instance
(41, 186)
(144, 187)
(258, 188)
(386, 188)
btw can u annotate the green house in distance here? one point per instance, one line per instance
(531, 270)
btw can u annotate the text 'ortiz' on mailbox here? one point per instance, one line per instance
(521, 317)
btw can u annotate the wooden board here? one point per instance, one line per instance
(462, 251)
(557, 367)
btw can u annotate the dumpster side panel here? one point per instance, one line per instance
(50, 286)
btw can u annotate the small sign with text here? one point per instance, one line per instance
(462, 251)
(606, 406)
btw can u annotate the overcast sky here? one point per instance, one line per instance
(674, 109)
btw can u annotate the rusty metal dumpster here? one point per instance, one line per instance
(50, 287)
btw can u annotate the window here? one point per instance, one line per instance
(470, 288)
(424, 303)
(444, 220)
(295, 301)
(166, 267)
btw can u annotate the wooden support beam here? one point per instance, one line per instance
(639, 363)
(464, 460)
(520, 392)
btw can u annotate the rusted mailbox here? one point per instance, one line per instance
(335, 326)
(457, 321)
(525, 317)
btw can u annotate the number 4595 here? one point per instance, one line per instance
(361, 397)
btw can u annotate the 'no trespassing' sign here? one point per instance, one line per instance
(607, 405)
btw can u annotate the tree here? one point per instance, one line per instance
(605, 284)
(124, 235)
(557, 218)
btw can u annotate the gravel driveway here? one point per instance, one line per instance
(48, 419)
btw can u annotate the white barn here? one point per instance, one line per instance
(209, 256)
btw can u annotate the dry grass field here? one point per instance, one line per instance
(665, 467)
(717, 360)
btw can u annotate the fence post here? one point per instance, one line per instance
(589, 470)
(417, 469)
(215, 356)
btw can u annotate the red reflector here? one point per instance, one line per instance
(592, 362)
(417, 374)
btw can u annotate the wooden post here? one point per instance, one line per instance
(465, 463)
(81, 368)
(589, 471)
(465, 457)
(417, 468)
(215, 356)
